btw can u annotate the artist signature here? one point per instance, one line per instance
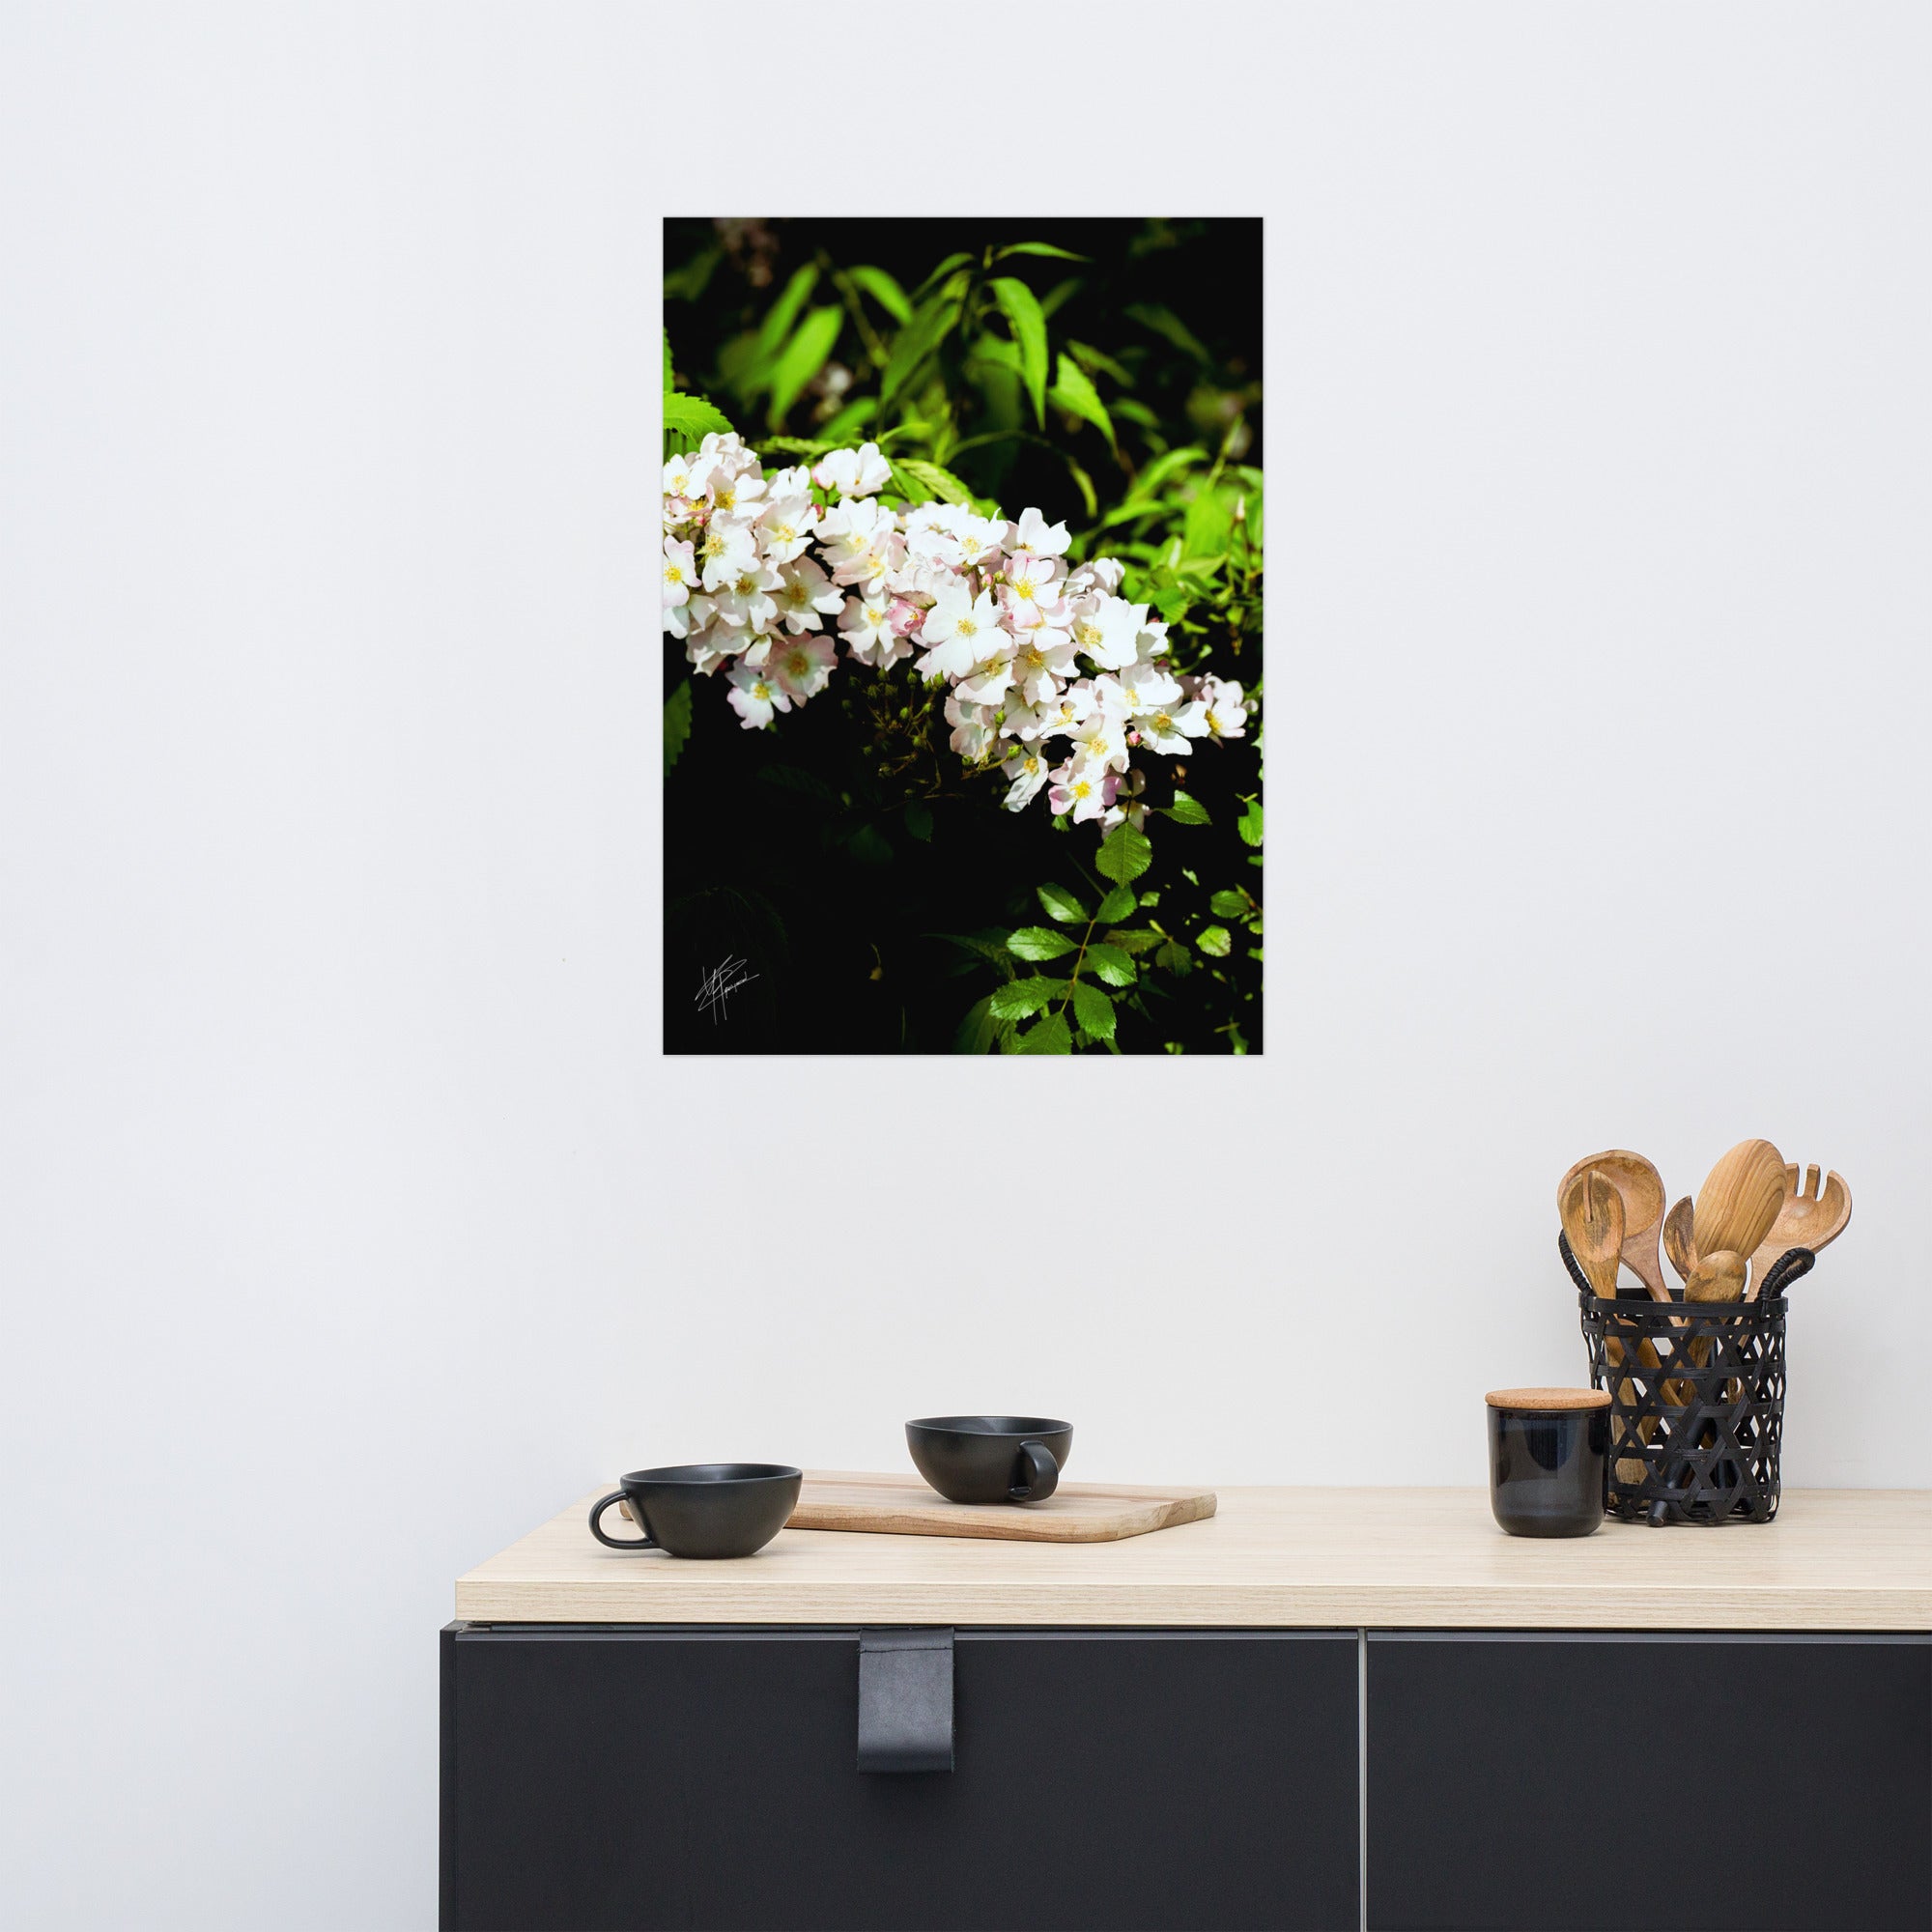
(719, 984)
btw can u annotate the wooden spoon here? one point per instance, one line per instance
(1593, 1218)
(1808, 1217)
(1593, 1221)
(1641, 1188)
(1739, 1201)
(1679, 1242)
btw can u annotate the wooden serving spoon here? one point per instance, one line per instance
(1593, 1223)
(1739, 1201)
(1680, 1240)
(1641, 1189)
(1593, 1218)
(1716, 1277)
(1808, 1217)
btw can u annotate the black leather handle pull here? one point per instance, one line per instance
(905, 1700)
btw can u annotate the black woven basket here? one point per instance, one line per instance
(1697, 1401)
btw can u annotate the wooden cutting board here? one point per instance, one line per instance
(1075, 1512)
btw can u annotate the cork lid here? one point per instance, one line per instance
(1547, 1400)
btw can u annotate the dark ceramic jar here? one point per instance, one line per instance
(1548, 1458)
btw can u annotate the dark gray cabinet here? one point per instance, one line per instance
(603, 1778)
(1584, 1782)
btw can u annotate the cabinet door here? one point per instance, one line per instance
(1574, 1782)
(603, 1778)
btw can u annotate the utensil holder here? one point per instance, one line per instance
(1707, 1420)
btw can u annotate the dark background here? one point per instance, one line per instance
(785, 849)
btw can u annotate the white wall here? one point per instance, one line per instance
(353, 1223)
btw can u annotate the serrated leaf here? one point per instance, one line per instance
(1041, 248)
(1174, 958)
(1074, 391)
(942, 483)
(1051, 1035)
(1021, 308)
(1132, 939)
(884, 291)
(930, 325)
(1229, 905)
(693, 417)
(979, 1030)
(1093, 1011)
(804, 357)
(677, 723)
(1057, 903)
(990, 945)
(1098, 362)
(1210, 518)
(1039, 942)
(1019, 998)
(1216, 942)
(1186, 810)
(1117, 905)
(1249, 824)
(1124, 854)
(1109, 963)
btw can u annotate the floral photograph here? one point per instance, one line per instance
(963, 696)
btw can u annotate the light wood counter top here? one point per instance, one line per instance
(1834, 1560)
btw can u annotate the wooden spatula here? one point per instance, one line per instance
(1593, 1222)
(1807, 1217)
(1679, 1242)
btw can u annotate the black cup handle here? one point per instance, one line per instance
(597, 1510)
(1042, 1477)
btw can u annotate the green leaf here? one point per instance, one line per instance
(1085, 483)
(670, 382)
(795, 777)
(1132, 938)
(1249, 824)
(941, 483)
(918, 821)
(1169, 327)
(1039, 942)
(1041, 248)
(1098, 361)
(869, 846)
(1124, 854)
(1211, 519)
(1216, 942)
(1073, 390)
(1109, 963)
(692, 416)
(1059, 903)
(939, 274)
(804, 357)
(1019, 998)
(990, 944)
(884, 291)
(677, 723)
(1093, 1011)
(1051, 1035)
(1229, 905)
(1021, 308)
(779, 319)
(928, 327)
(845, 427)
(979, 1030)
(909, 485)
(1186, 810)
(1174, 958)
(1116, 906)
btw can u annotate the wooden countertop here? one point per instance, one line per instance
(1834, 1559)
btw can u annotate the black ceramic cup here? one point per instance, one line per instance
(990, 1459)
(703, 1509)
(1548, 1458)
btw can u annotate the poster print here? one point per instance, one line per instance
(962, 632)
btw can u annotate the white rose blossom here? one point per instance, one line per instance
(1032, 650)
